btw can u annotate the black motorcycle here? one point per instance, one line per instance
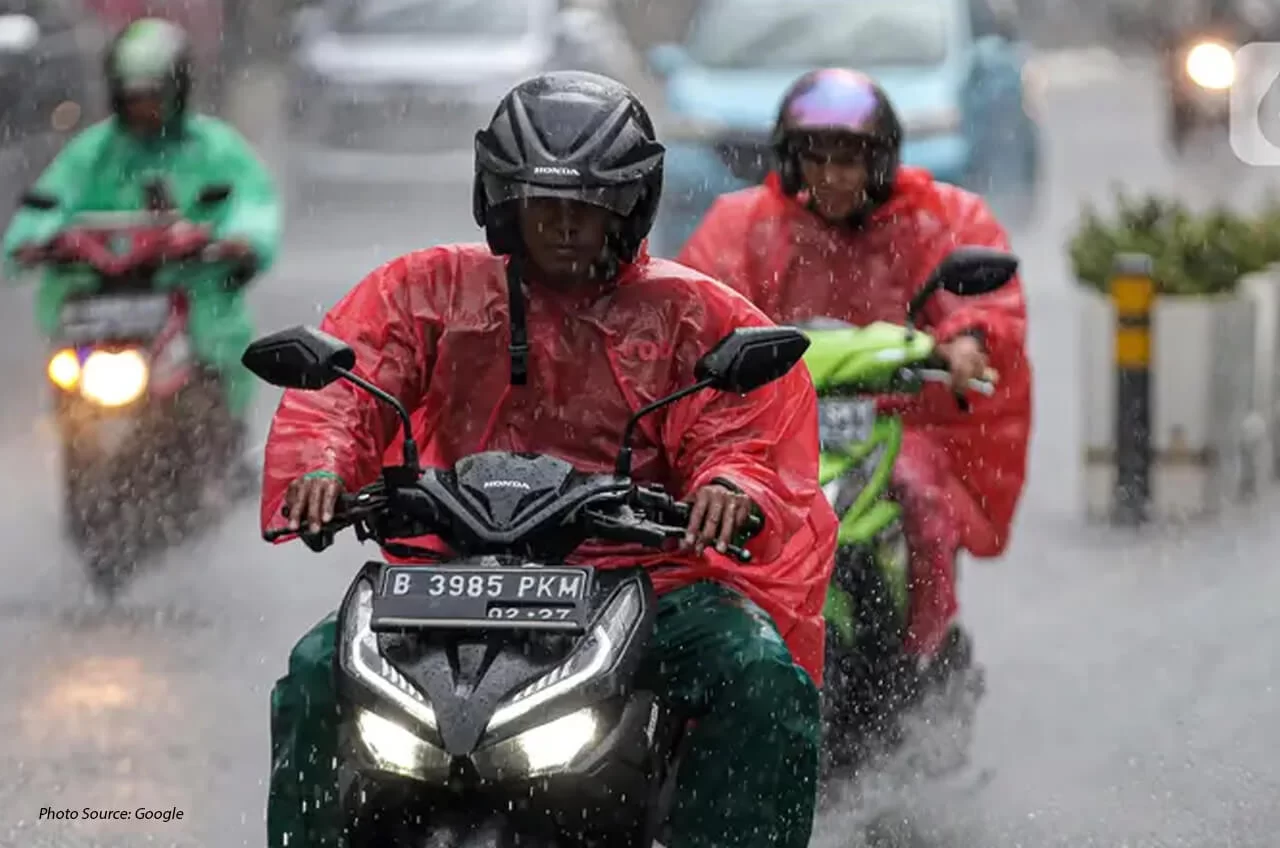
(488, 698)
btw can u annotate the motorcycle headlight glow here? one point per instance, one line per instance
(1211, 65)
(64, 369)
(397, 749)
(553, 745)
(360, 658)
(113, 379)
(595, 655)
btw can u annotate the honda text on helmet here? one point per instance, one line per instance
(838, 138)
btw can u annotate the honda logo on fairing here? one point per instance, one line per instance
(507, 484)
(557, 170)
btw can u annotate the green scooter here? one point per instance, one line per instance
(870, 682)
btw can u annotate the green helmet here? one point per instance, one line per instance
(150, 56)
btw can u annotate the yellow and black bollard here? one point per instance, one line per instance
(1133, 296)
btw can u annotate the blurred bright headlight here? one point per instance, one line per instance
(395, 748)
(1211, 65)
(554, 745)
(114, 379)
(932, 122)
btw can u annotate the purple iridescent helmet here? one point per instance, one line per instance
(838, 100)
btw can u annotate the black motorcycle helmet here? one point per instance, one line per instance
(570, 135)
(150, 56)
(841, 101)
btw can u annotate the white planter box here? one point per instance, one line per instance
(1203, 390)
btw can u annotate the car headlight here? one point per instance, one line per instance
(595, 655)
(1211, 65)
(113, 379)
(64, 369)
(360, 658)
(933, 122)
(397, 749)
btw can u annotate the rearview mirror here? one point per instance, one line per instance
(214, 194)
(966, 271)
(751, 357)
(38, 200)
(300, 357)
(18, 33)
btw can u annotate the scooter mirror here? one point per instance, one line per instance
(966, 271)
(300, 357)
(751, 357)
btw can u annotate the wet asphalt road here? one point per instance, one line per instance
(1130, 680)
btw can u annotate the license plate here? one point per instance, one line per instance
(472, 597)
(842, 423)
(117, 315)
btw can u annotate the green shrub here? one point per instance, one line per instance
(1194, 253)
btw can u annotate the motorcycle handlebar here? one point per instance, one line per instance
(353, 508)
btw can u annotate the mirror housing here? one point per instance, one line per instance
(214, 194)
(751, 357)
(38, 200)
(966, 271)
(666, 59)
(741, 362)
(300, 357)
(18, 33)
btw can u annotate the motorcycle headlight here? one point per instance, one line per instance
(595, 655)
(359, 657)
(553, 745)
(64, 369)
(113, 379)
(1211, 65)
(397, 749)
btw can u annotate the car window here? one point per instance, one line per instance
(434, 18)
(809, 33)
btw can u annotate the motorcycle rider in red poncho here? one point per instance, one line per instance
(842, 230)
(546, 340)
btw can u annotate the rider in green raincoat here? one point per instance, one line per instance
(153, 135)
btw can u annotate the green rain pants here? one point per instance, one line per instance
(750, 777)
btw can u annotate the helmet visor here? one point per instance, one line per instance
(620, 199)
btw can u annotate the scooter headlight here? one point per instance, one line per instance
(397, 749)
(64, 369)
(113, 379)
(553, 745)
(1211, 65)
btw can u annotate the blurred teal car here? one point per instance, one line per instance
(954, 69)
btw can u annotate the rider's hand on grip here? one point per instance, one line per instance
(312, 500)
(717, 516)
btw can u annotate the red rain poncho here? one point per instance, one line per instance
(965, 471)
(432, 328)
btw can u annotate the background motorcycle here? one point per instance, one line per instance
(866, 377)
(490, 699)
(142, 426)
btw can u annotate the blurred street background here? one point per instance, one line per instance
(1132, 697)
